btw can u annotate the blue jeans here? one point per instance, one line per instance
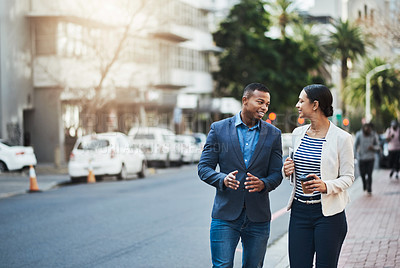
(311, 232)
(225, 235)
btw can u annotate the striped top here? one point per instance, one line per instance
(307, 160)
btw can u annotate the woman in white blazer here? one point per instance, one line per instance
(320, 169)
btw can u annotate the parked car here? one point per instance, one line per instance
(158, 144)
(286, 143)
(200, 139)
(108, 154)
(15, 157)
(190, 150)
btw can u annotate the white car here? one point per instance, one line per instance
(158, 144)
(286, 143)
(191, 151)
(107, 154)
(15, 157)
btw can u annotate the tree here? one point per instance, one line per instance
(284, 65)
(283, 14)
(242, 36)
(346, 44)
(313, 42)
(385, 94)
(103, 34)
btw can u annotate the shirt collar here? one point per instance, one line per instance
(238, 122)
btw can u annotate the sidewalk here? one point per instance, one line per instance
(47, 175)
(373, 238)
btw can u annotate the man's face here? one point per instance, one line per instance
(367, 130)
(256, 105)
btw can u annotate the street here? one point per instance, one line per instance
(160, 221)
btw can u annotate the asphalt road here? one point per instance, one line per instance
(160, 221)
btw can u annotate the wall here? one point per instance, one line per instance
(16, 92)
(47, 134)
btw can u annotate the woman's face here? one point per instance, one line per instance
(304, 106)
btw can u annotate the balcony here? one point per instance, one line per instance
(169, 36)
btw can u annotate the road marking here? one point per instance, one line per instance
(274, 216)
(279, 213)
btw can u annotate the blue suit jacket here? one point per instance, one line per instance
(222, 147)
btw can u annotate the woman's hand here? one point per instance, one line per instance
(288, 167)
(316, 184)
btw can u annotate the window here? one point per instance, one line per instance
(93, 144)
(139, 50)
(143, 136)
(70, 41)
(45, 37)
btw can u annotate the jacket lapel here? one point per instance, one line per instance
(260, 143)
(235, 141)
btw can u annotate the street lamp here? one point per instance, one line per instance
(371, 73)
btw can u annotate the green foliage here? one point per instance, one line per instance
(283, 13)
(385, 94)
(283, 65)
(347, 41)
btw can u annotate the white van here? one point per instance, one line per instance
(158, 144)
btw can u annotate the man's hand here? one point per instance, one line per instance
(254, 184)
(230, 180)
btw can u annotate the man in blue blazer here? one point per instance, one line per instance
(249, 154)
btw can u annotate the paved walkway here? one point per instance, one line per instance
(373, 238)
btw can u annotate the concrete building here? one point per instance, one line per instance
(15, 70)
(69, 68)
(381, 20)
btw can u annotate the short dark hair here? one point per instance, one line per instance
(323, 95)
(250, 88)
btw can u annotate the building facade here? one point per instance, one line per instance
(79, 67)
(380, 20)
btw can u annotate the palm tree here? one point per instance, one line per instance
(308, 38)
(346, 43)
(385, 95)
(284, 13)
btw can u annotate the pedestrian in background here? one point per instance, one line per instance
(365, 146)
(323, 155)
(249, 154)
(393, 138)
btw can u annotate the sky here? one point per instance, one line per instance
(304, 4)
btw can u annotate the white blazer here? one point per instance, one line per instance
(337, 167)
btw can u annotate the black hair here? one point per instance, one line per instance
(250, 88)
(323, 95)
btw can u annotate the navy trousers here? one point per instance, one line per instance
(311, 232)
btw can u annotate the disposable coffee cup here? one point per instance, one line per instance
(303, 178)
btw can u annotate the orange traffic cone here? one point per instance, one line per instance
(91, 178)
(33, 182)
